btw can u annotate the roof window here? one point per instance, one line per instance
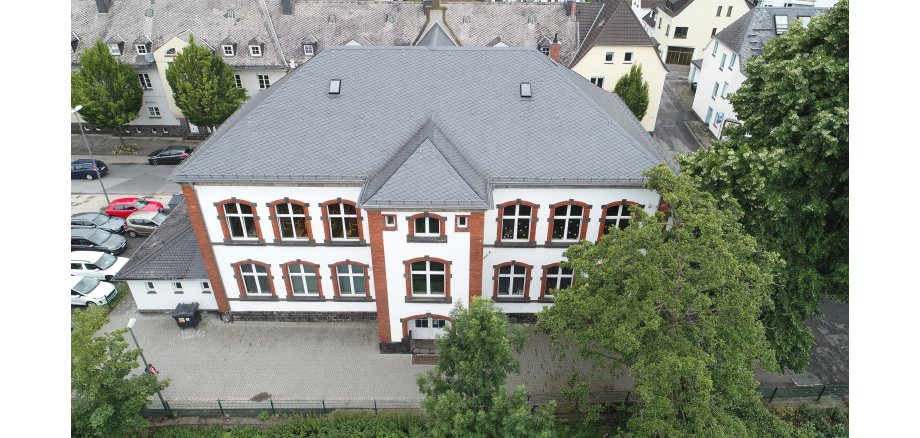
(335, 86)
(532, 19)
(526, 90)
(782, 24)
(389, 18)
(331, 19)
(466, 19)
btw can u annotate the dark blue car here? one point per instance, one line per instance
(84, 168)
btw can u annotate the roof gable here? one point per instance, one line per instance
(170, 253)
(614, 24)
(752, 31)
(436, 36)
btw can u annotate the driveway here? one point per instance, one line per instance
(679, 129)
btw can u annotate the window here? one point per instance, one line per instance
(608, 57)
(782, 24)
(302, 279)
(253, 279)
(555, 277)
(435, 323)
(308, 49)
(463, 222)
(239, 81)
(805, 21)
(389, 222)
(616, 214)
(526, 89)
(335, 86)
(680, 32)
(389, 18)
(713, 33)
(255, 51)
(331, 19)
(599, 81)
(544, 50)
(724, 89)
(516, 219)
(428, 277)
(263, 82)
(511, 280)
(177, 287)
(722, 64)
(291, 220)
(153, 111)
(715, 48)
(141, 49)
(466, 19)
(150, 288)
(731, 65)
(430, 226)
(728, 13)
(171, 52)
(351, 280)
(531, 19)
(719, 11)
(659, 23)
(240, 220)
(708, 116)
(114, 49)
(627, 58)
(667, 30)
(342, 221)
(145, 81)
(715, 90)
(568, 221)
(205, 287)
(228, 49)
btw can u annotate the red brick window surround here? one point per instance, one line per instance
(555, 277)
(427, 227)
(462, 223)
(254, 279)
(615, 214)
(302, 279)
(239, 221)
(350, 280)
(511, 281)
(517, 222)
(342, 221)
(290, 221)
(390, 222)
(427, 277)
(568, 221)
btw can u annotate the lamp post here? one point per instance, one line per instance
(131, 323)
(91, 157)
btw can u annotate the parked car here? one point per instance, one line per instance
(84, 168)
(169, 155)
(123, 207)
(142, 223)
(88, 239)
(115, 225)
(90, 292)
(95, 264)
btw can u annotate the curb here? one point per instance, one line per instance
(114, 158)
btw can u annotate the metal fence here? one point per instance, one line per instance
(248, 408)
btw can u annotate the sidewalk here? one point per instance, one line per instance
(103, 146)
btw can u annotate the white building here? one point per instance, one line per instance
(721, 69)
(826, 4)
(684, 27)
(427, 176)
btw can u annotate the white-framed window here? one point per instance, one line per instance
(598, 80)
(731, 65)
(150, 287)
(304, 279)
(608, 58)
(722, 64)
(171, 52)
(435, 323)
(782, 23)
(292, 221)
(264, 82)
(466, 19)
(544, 50)
(141, 49)
(708, 116)
(255, 279)
(713, 32)
(728, 13)
(719, 12)
(308, 49)
(228, 49)
(145, 81)
(463, 221)
(238, 80)
(153, 111)
(177, 287)
(255, 51)
(351, 279)
(715, 48)
(627, 58)
(241, 221)
(114, 49)
(427, 226)
(206, 287)
(667, 30)
(567, 222)
(511, 280)
(724, 89)
(343, 221)
(616, 216)
(428, 278)
(389, 221)
(516, 222)
(557, 278)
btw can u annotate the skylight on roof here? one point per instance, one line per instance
(526, 90)
(335, 86)
(782, 23)
(805, 21)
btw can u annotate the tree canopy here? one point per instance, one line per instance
(633, 89)
(203, 86)
(466, 395)
(788, 167)
(679, 305)
(108, 89)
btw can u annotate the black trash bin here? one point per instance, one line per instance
(693, 87)
(187, 315)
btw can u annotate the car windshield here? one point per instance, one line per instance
(159, 218)
(140, 203)
(98, 237)
(99, 219)
(106, 261)
(86, 285)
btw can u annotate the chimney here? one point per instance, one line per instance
(570, 11)
(554, 48)
(287, 7)
(103, 6)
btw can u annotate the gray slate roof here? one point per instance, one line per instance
(750, 33)
(295, 132)
(170, 253)
(608, 23)
(435, 36)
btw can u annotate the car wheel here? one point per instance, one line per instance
(89, 177)
(108, 278)
(132, 234)
(90, 304)
(154, 162)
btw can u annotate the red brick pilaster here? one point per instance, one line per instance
(477, 225)
(204, 245)
(379, 266)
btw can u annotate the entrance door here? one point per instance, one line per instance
(428, 328)
(679, 55)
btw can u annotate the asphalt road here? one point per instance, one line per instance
(129, 179)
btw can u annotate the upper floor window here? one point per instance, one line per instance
(141, 49)
(308, 49)
(427, 226)
(731, 65)
(228, 49)
(145, 81)
(616, 215)
(597, 80)
(389, 222)
(253, 278)
(171, 52)
(544, 50)
(263, 82)
(608, 57)
(238, 220)
(713, 33)
(291, 220)
(428, 277)
(722, 64)
(724, 89)
(719, 11)
(517, 221)
(628, 57)
(350, 279)
(238, 80)
(512, 279)
(728, 13)
(568, 221)
(715, 90)
(255, 51)
(680, 32)
(205, 287)
(555, 277)
(114, 49)
(667, 30)
(715, 48)
(302, 278)
(342, 221)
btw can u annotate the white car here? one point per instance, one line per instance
(95, 264)
(90, 292)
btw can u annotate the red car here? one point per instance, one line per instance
(123, 207)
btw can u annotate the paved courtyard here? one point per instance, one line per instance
(679, 129)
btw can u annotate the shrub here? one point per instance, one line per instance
(126, 149)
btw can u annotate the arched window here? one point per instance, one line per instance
(290, 220)
(427, 277)
(427, 227)
(254, 279)
(302, 279)
(342, 221)
(512, 280)
(517, 222)
(616, 214)
(351, 280)
(555, 277)
(568, 221)
(239, 220)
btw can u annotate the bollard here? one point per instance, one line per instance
(822, 392)
(375, 406)
(773, 395)
(272, 404)
(627, 399)
(324, 406)
(221, 408)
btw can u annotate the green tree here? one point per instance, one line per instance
(788, 167)
(108, 402)
(466, 395)
(203, 86)
(107, 88)
(679, 306)
(633, 89)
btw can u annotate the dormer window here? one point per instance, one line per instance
(228, 49)
(331, 19)
(171, 52)
(782, 24)
(255, 51)
(141, 49)
(532, 19)
(466, 19)
(389, 18)
(308, 49)
(114, 49)
(544, 50)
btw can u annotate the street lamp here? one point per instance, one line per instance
(131, 323)
(86, 142)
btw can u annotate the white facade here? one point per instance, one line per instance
(166, 294)
(720, 76)
(692, 29)
(791, 3)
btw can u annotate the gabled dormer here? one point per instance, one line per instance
(357, 40)
(142, 45)
(256, 47)
(308, 44)
(116, 44)
(228, 47)
(543, 45)
(497, 42)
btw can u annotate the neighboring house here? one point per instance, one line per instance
(287, 33)
(642, 7)
(684, 27)
(796, 3)
(722, 67)
(428, 176)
